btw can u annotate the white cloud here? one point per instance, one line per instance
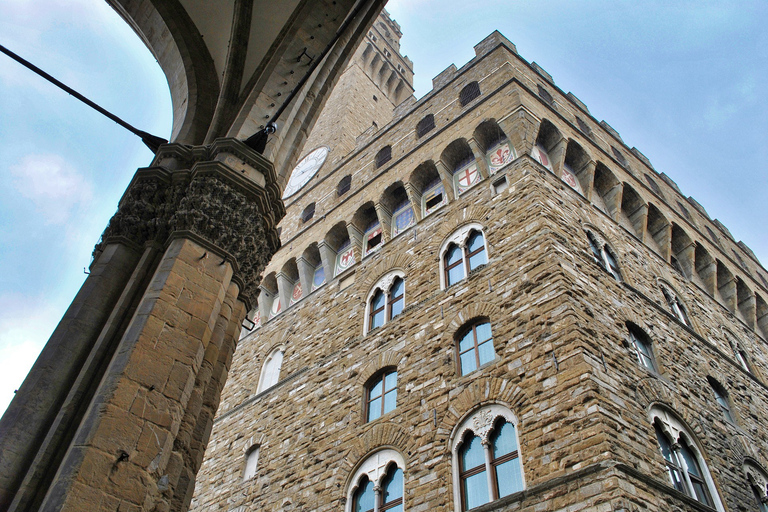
(26, 323)
(53, 185)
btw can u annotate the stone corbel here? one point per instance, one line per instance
(447, 178)
(482, 163)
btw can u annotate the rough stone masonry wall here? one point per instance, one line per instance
(586, 440)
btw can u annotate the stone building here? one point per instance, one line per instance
(486, 300)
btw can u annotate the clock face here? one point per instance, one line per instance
(304, 170)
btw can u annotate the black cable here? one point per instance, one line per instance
(258, 141)
(153, 142)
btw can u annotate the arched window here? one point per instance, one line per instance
(377, 484)
(758, 483)
(426, 125)
(641, 346)
(486, 458)
(381, 395)
(741, 357)
(251, 463)
(308, 212)
(464, 251)
(468, 93)
(604, 256)
(474, 346)
(270, 371)
(685, 465)
(386, 300)
(383, 156)
(343, 186)
(675, 306)
(721, 397)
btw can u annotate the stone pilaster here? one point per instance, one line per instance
(188, 244)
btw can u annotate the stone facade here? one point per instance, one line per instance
(590, 256)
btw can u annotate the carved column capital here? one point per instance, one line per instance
(225, 194)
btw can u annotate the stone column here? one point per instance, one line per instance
(132, 430)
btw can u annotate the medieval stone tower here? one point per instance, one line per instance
(486, 300)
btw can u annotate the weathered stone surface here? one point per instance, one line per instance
(563, 363)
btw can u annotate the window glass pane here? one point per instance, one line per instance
(483, 331)
(391, 381)
(390, 401)
(509, 477)
(468, 363)
(319, 278)
(666, 448)
(376, 390)
(477, 259)
(397, 288)
(472, 453)
(377, 320)
(486, 352)
(378, 300)
(475, 242)
(397, 307)
(453, 255)
(393, 485)
(476, 249)
(504, 441)
(467, 342)
(455, 274)
(364, 498)
(690, 460)
(374, 409)
(475, 491)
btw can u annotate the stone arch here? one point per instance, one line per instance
(634, 211)
(650, 391)
(388, 359)
(745, 303)
(608, 188)
(682, 251)
(400, 261)
(659, 231)
(458, 218)
(761, 314)
(578, 162)
(705, 269)
(488, 134)
(456, 154)
(478, 393)
(469, 312)
(381, 435)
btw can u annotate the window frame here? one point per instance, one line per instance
(637, 340)
(604, 256)
(460, 238)
(375, 467)
(461, 334)
(678, 437)
(379, 377)
(483, 422)
(262, 385)
(385, 285)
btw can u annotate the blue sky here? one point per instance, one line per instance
(681, 81)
